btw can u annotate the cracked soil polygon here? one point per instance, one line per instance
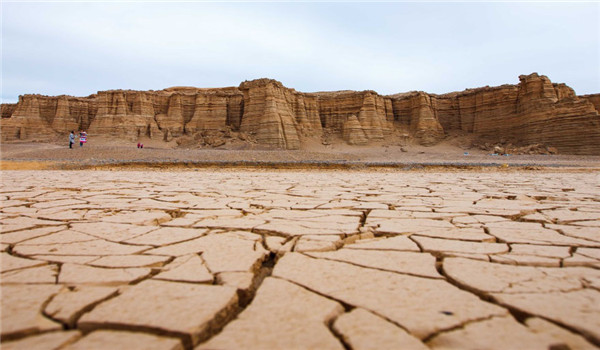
(231, 258)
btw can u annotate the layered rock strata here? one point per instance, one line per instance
(594, 99)
(536, 111)
(8, 109)
(353, 133)
(278, 116)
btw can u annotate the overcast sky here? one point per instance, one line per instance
(78, 48)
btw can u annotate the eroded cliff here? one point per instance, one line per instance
(534, 111)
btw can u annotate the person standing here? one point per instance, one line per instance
(71, 139)
(82, 138)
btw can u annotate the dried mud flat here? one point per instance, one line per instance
(300, 260)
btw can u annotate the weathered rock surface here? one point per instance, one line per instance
(593, 98)
(353, 133)
(534, 112)
(417, 111)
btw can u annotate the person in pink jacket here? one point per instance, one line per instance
(82, 138)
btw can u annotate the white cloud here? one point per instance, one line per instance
(79, 48)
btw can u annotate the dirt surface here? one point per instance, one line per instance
(232, 259)
(106, 152)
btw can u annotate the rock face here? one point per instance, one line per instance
(417, 111)
(353, 133)
(8, 109)
(536, 111)
(593, 98)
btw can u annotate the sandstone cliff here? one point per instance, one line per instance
(534, 111)
(594, 99)
(8, 109)
(353, 133)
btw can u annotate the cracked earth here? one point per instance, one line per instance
(300, 260)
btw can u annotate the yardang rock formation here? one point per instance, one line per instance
(534, 111)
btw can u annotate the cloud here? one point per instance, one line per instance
(80, 48)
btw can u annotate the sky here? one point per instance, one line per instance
(79, 48)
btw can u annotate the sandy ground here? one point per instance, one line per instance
(234, 259)
(102, 152)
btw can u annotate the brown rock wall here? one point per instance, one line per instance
(68, 114)
(417, 111)
(374, 112)
(447, 112)
(593, 98)
(336, 108)
(124, 114)
(572, 127)
(32, 117)
(563, 91)
(210, 113)
(276, 115)
(353, 133)
(160, 103)
(261, 115)
(8, 109)
(534, 111)
(173, 121)
(488, 110)
(306, 112)
(535, 93)
(141, 103)
(372, 116)
(165, 114)
(235, 110)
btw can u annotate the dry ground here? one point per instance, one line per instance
(110, 152)
(299, 259)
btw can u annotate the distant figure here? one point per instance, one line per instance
(139, 145)
(142, 145)
(82, 138)
(71, 139)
